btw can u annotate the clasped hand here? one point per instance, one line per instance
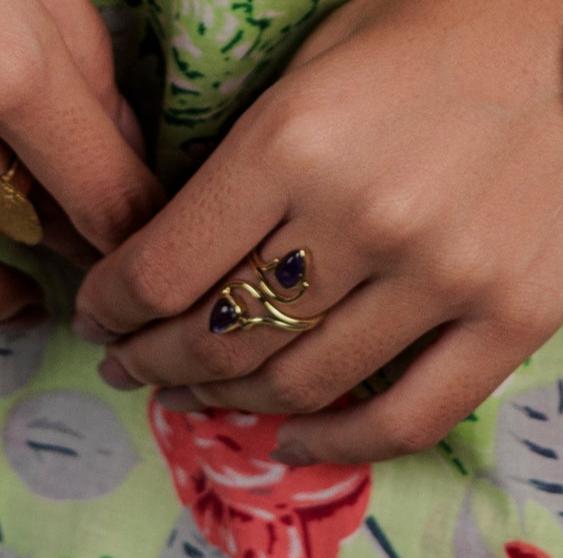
(416, 149)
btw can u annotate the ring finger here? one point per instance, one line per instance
(184, 351)
(368, 330)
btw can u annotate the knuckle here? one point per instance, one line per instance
(295, 396)
(141, 369)
(220, 358)
(108, 216)
(526, 313)
(147, 287)
(389, 222)
(409, 437)
(463, 271)
(99, 223)
(297, 138)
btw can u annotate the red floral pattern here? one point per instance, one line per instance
(520, 549)
(249, 505)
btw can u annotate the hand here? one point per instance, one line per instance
(62, 114)
(416, 148)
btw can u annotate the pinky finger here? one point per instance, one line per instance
(444, 385)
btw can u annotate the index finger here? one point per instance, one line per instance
(216, 220)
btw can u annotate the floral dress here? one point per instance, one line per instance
(86, 472)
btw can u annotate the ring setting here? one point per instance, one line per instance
(290, 273)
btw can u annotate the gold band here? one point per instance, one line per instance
(230, 312)
(18, 218)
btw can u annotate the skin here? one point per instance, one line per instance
(416, 148)
(61, 113)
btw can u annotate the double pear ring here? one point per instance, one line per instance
(18, 218)
(290, 273)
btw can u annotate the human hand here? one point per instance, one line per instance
(61, 113)
(416, 149)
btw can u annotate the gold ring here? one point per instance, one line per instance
(18, 218)
(290, 272)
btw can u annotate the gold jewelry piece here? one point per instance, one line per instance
(231, 313)
(18, 218)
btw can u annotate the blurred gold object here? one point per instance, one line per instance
(18, 218)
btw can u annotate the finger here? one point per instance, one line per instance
(21, 300)
(116, 376)
(73, 148)
(97, 70)
(359, 336)
(183, 351)
(443, 386)
(59, 235)
(211, 225)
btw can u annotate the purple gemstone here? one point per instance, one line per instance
(291, 269)
(223, 316)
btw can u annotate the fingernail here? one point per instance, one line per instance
(88, 328)
(294, 454)
(114, 374)
(28, 317)
(179, 399)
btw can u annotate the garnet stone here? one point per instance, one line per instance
(223, 316)
(290, 271)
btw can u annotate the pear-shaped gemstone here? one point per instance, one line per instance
(224, 316)
(290, 270)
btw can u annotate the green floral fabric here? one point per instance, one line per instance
(205, 61)
(81, 471)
